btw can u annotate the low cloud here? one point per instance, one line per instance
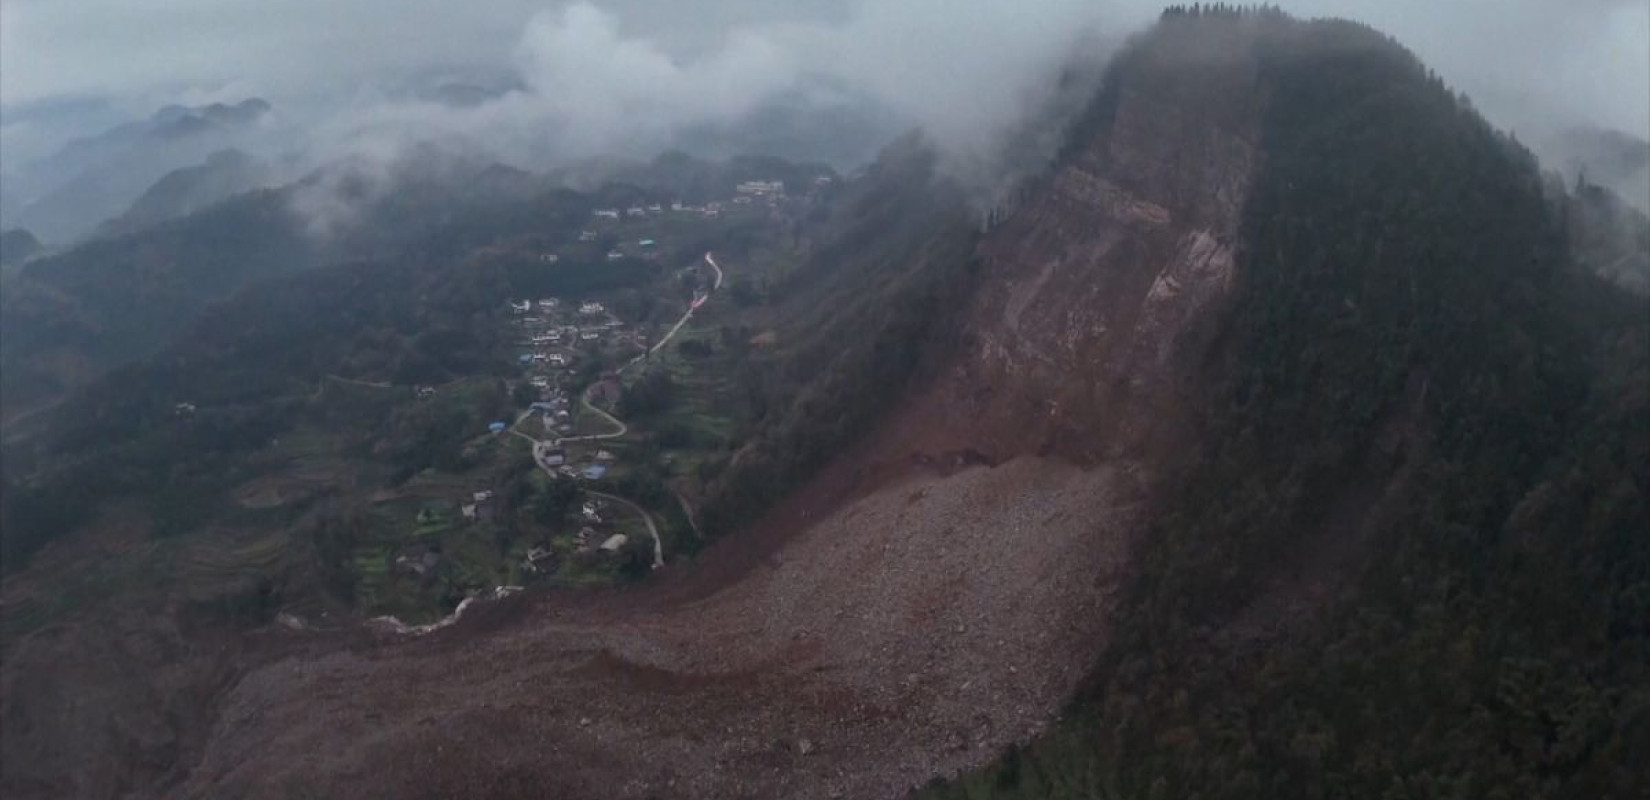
(631, 77)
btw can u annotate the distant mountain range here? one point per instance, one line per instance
(64, 196)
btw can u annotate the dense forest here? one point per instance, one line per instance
(863, 316)
(1418, 379)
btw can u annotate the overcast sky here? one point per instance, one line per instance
(958, 65)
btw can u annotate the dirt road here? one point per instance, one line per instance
(652, 529)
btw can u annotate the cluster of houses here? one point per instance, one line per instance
(553, 339)
(634, 211)
(594, 533)
(745, 193)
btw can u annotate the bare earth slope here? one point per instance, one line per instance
(933, 595)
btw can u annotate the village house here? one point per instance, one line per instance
(587, 236)
(589, 307)
(425, 392)
(558, 360)
(550, 258)
(521, 307)
(608, 213)
(614, 255)
(760, 187)
(614, 543)
(589, 336)
(548, 304)
(537, 558)
(636, 211)
(184, 409)
(416, 563)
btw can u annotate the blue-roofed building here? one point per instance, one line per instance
(525, 358)
(497, 427)
(594, 472)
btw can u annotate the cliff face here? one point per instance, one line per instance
(1092, 290)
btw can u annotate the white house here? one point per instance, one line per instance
(613, 543)
(590, 307)
(760, 187)
(614, 255)
(609, 213)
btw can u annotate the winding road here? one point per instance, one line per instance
(540, 446)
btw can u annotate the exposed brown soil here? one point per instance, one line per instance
(913, 633)
(936, 593)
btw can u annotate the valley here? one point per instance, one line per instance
(1284, 435)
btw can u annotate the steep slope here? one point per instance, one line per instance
(1286, 325)
(92, 179)
(185, 190)
(1408, 559)
(939, 586)
(70, 318)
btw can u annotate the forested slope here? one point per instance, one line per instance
(1408, 559)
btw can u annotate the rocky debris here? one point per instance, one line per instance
(906, 650)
